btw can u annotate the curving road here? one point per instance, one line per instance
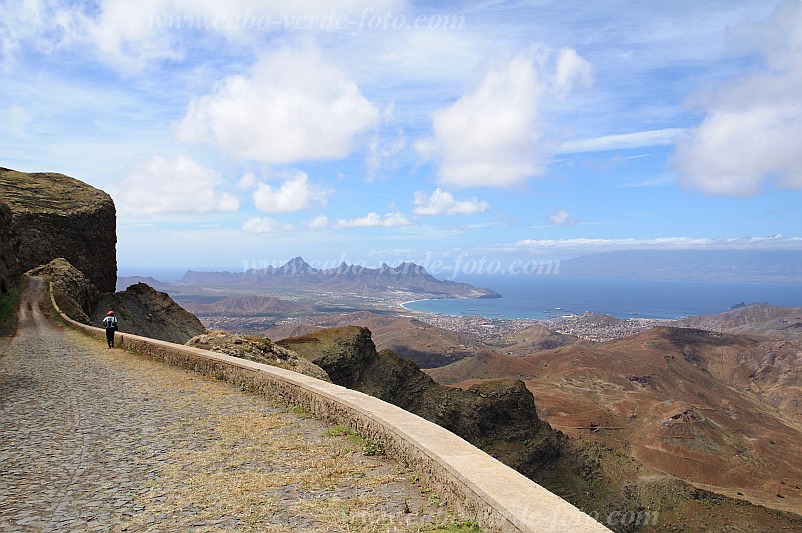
(88, 436)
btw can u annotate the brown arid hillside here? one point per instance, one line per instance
(720, 411)
(755, 319)
(539, 337)
(246, 306)
(499, 416)
(53, 216)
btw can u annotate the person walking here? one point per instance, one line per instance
(110, 323)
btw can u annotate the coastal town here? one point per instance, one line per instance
(590, 326)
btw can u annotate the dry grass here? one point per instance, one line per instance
(238, 462)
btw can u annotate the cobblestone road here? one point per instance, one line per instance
(93, 439)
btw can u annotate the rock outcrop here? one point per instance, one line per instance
(145, 311)
(54, 216)
(74, 294)
(258, 349)
(499, 414)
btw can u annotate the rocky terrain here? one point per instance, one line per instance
(499, 412)
(425, 345)
(499, 415)
(258, 349)
(145, 311)
(704, 407)
(52, 216)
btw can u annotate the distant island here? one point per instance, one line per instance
(405, 280)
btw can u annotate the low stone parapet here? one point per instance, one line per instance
(475, 484)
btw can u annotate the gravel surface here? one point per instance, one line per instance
(93, 439)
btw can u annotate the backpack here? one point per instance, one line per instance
(110, 322)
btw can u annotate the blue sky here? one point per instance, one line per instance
(370, 131)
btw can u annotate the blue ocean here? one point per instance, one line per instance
(544, 297)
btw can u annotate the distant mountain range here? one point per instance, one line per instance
(698, 265)
(404, 279)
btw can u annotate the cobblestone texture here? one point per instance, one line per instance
(93, 439)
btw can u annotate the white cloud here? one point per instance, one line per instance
(494, 136)
(318, 223)
(623, 141)
(751, 131)
(248, 181)
(586, 245)
(264, 225)
(443, 203)
(177, 185)
(374, 220)
(381, 150)
(294, 106)
(562, 218)
(572, 71)
(127, 35)
(295, 194)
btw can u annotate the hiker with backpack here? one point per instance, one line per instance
(110, 323)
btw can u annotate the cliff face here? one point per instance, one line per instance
(53, 216)
(8, 257)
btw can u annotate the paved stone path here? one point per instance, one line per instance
(93, 439)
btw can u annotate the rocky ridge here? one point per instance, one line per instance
(406, 278)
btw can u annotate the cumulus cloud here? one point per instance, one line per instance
(293, 106)
(374, 220)
(264, 225)
(494, 135)
(750, 134)
(491, 137)
(295, 194)
(443, 203)
(177, 185)
(562, 218)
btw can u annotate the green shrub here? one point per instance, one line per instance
(8, 307)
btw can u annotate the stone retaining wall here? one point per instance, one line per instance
(474, 483)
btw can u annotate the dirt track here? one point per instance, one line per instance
(93, 439)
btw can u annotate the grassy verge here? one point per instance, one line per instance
(8, 311)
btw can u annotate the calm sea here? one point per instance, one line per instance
(542, 297)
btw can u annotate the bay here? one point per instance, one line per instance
(549, 296)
